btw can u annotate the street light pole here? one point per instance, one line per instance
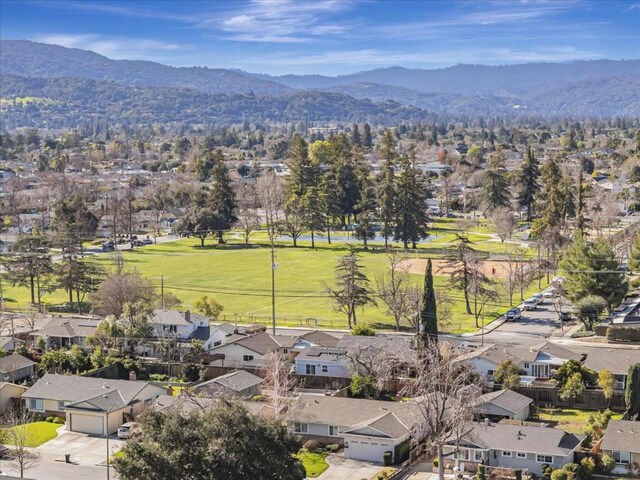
(109, 410)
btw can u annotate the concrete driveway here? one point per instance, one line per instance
(341, 468)
(84, 449)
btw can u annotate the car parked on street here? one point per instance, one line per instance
(147, 241)
(514, 315)
(565, 316)
(108, 246)
(538, 298)
(530, 304)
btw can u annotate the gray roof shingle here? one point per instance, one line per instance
(507, 399)
(14, 362)
(237, 381)
(622, 436)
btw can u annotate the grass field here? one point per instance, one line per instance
(240, 278)
(570, 419)
(38, 433)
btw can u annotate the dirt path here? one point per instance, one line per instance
(493, 268)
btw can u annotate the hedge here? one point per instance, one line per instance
(401, 452)
(623, 334)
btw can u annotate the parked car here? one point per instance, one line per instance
(548, 294)
(137, 243)
(537, 297)
(4, 451)
(514, 315)
(565, 316)
(530, 304)
(129, 430)
(108, 246)
(147, 241)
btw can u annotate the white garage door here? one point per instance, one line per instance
(86, 424)
(367, 450)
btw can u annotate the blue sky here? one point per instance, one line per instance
(332, 36)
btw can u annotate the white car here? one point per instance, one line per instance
(530, 304)
(129, 430)
(548, 294)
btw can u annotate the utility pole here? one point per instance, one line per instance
(162, 291)
(274, 265)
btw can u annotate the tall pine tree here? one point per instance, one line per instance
(411, 205)
(529, 182)
(495, 186)
(428, 312)
(222, 200)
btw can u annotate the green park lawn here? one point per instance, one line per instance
(314, 463)
(572, 420)
(239, 278)
(38, 433)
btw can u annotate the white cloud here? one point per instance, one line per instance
(114, 47)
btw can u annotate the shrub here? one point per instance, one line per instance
(587, 467)
(363, 330)
(480, 473)
(312, 445)
(607, 463)
(434, 462)
(571, 467)
(257, 398)
(388, 458)
(401, 451)
(560, 474)
(159, 377)
(623, 334)
(332, 448)
(583, 334)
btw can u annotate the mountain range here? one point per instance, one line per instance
(602, 88)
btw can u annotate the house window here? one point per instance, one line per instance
(478, 455)
(506, 454)
(247, 358)
(622, 458)
(526, 365)
(311, 369)
(62, 404)
(301, 427)
(217, 343)
(462, 454)
(490, 372)
(544, 458)
(521, 455)
(333, 431)
(325, 369)
(36, 404)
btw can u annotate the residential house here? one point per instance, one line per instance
(251, 350)
(617, 360)
(15, 368)
(65, 331)
(9, 393)
(323, 362)
(180, 325)
(219, 334)
(239, 383)
(189, 404)
(536, 362)
(622, 441)
(9, 344)
(502, 404)
(366, 428)
(90, 405)
(511, 446)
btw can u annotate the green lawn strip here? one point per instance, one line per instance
(240, 279)
(314, 463)
(572, 420)
(38, 433)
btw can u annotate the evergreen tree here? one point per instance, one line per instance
(552, 218)
(495, 185)
(221, 198)
(352, 287)
(593, 270)
(458, 260)
(632, 393)
(366, 206)
(300, 169)
(428, 311)
(387, 187)
(634, 256)
(367, 140)
(356, 138)
(581, 219)
(313, 211)
(411, 205)
(529, 182)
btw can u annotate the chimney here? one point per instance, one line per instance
(132, 376)
(187, 316)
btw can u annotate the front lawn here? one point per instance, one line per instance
(37, 433)
(314, 463)
(572, 420)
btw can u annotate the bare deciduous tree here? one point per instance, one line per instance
(279, 382)
(393, 288)
(373, 360)
(19, 437)
(443, 394)
(503, 222)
